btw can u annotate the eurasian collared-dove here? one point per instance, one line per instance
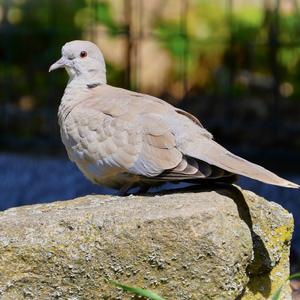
(119, 138)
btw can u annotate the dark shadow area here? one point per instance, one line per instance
(261, 263)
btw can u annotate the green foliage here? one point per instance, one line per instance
(277, 294)
(289, 28)
(243, 32)
(251, 16)
(137, 291)
(104, 16)
(169, 34)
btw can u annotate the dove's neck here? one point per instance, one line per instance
(79, 87)
(86, 79)
(69, 100)
(77, 90)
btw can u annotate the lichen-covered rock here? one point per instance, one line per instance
(272, 228)
(201, 245)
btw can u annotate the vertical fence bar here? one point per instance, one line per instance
(7, 79)
(129, 44)
(273, 44)
(184, 36)
(135, 11)
(139, 37)
(229, 90)
(91, 16)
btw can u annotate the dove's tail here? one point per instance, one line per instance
(214, 154)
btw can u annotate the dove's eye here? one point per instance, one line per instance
(83, 54)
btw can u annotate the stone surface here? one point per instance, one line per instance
(198, 245)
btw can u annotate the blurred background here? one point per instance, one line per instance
(235, 64)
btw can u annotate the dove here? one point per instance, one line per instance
(122, 139)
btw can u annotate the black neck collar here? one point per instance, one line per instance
(93, 85)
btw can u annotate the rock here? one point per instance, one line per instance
(197, 245)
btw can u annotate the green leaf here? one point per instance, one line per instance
(137, 291)
(294, 276)
(276, 295)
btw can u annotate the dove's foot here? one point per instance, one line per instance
(124, 190)
(142, 189)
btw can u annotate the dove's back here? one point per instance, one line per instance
(118, 137)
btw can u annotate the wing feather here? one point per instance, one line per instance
(213, 153)
(158, 151)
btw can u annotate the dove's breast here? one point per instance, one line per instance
(94, 141)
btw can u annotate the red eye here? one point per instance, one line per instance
(83, 54)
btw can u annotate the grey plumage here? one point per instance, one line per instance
(120, 138)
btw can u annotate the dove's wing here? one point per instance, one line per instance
(145, 136)
(202, 157)
(192, 141)
(157, 155)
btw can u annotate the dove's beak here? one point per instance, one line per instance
(61, 63)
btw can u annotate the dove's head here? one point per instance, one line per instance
(83, 61)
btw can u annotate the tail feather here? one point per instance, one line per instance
(214, 154)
